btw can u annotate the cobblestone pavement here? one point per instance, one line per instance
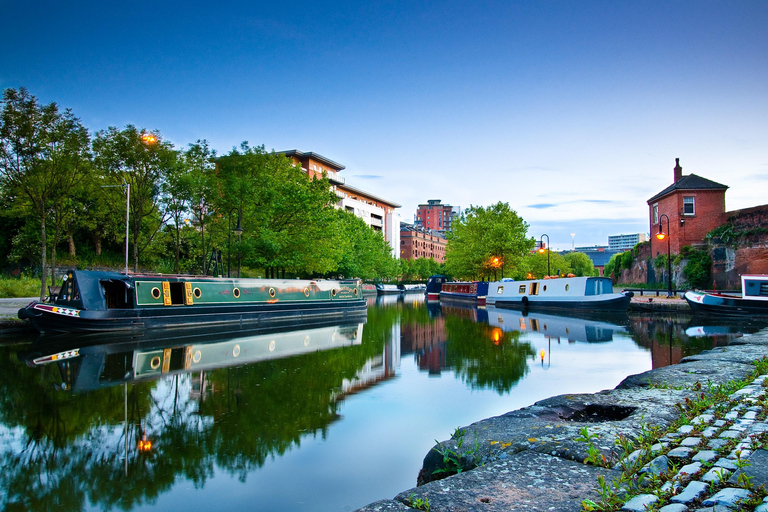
(718, 456)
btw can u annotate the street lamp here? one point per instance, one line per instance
(541, 249)
(497, 262)
(238, 232)
(661, 236)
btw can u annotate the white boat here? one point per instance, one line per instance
(753, 299)
(570, 328)
(558, 294)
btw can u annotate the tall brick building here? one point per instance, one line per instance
(695, 206)
(435, 216)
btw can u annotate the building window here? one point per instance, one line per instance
(689, 208)
(656, 213)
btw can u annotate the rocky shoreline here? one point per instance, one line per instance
(532, 459)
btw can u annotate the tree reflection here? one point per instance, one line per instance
(486, 357)
(62, 450)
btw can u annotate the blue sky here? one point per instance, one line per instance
(573, 111)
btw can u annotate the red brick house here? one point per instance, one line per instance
(694, 205)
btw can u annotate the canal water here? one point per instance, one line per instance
(323, 417)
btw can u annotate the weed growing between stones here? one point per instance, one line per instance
(418, 503)
(454, 460)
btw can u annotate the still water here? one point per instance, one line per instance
(321, 418)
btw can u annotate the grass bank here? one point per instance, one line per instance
(11, 287)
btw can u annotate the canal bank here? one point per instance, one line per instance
(533, 458)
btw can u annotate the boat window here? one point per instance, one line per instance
(500, 290)
(534, 289)
(567, 287)
(117, 294)
(544, 289)
(522, 288)
(754, 288)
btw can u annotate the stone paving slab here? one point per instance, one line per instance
(688, 374)
(742, 354)
(527, 481)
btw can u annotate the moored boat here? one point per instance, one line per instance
(412, 288)
(471, 291)
(434, 285)
(566, 293)
(753, 299)
(387, 289)
(109, 301)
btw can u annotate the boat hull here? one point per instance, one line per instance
(729, 305)
(253, 316)
(614, 303)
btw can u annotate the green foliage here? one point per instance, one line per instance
(360, 251)
(732, 236)
(580, 264)
(23, 286)
(698, 268)
(44, 153)
(626, 260)
(535, 265)
(484, 233)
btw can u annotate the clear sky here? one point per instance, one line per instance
(573, 112)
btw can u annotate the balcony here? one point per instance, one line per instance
(377, 222)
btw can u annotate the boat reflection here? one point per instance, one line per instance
(571, 328)
(89, 362)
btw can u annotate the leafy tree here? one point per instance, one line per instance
(581, 264)
(362, 252)
(142, 160)
(199, 159)
(286, 216)
(43, 154)
(698, 268)
(537, 266)
(482, 234)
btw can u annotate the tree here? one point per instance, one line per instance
(581, 264)
(43, 154)
(141, 160)
(483, 234)
(200, 159)
(286, 216)
(537, 266)
(362, 252)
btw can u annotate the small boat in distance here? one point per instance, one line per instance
(109, 301)
(472, 291)
(753, 299)
(412, 288)
(564, 293)
(387, 289)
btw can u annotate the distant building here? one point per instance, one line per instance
(416, 242)
(378, 213)
(436, 216)
(625, 242)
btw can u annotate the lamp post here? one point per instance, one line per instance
(238, 232)
(541, 249)
(661, 236)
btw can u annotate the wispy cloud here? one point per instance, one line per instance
(542, 206)
(369, 176)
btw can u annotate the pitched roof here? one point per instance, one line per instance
(320, 158)
(689, 182)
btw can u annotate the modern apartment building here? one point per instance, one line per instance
(380, 214)
(625, 242)
(436, 216)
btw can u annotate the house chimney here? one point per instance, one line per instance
(678, 170)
